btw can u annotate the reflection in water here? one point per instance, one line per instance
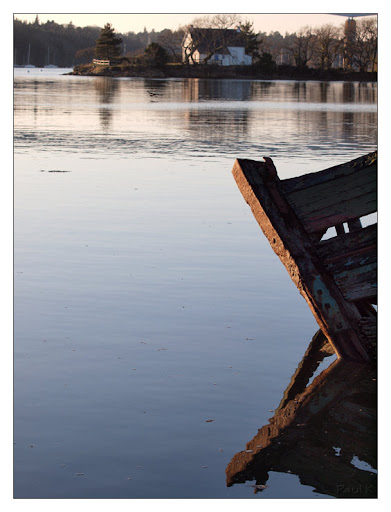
(300, 91)
(155, 86)
(196, 118)
(213, 125)
(348, 91)
(261, 91)
(324, 88)
(134, 251)
(216, 126)
(197, 89)
(324, 432)
(107, 90)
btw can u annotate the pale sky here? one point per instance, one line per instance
(124, 23)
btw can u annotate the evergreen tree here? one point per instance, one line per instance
(108, 45)
(266, 63)
(251, 40)
(156, 55)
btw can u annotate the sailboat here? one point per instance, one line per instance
(28, 65)
(16, 65)
(50, 65)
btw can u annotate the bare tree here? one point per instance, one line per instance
(301, 45)
(171, 41)
(221, 21)
(364, 47)
(189, 44)
(274, 44)
(329, 41)
(210, 42)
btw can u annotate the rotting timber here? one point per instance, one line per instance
(336, 276)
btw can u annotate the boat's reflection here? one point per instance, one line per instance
(323, 431)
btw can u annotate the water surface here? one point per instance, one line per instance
(147, 300)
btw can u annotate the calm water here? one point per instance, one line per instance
(147, 300)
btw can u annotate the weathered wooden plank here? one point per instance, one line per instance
(354, 224)
(316, 178)
(336, 201)
(352, 261)
(358, 283)
(369, 327)
(338, 319)
(339, 246)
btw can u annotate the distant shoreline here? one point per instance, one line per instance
(218, 72)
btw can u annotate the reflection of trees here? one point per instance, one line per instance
(107, 89)
(328, 92)
(211, 124)
(196, 89)
(366, 92)
(262, 90)
(320, 125)
(323, 431)
(348, 92)
(259, 127)
(324, 89)
(300, 92)
(156, 86)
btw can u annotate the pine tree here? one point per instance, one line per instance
(251, 40)
(156, 55)
(108, 45)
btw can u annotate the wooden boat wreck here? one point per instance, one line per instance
(336, 276)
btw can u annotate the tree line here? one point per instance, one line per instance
(50, 43)
(352, 45)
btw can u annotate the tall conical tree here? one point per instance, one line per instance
(108, 45)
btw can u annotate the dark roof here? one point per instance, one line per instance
(207, 38)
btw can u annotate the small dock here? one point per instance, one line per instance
(336, 276)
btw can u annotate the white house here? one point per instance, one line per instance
(224, 47)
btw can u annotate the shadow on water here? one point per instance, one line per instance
(324, 430)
